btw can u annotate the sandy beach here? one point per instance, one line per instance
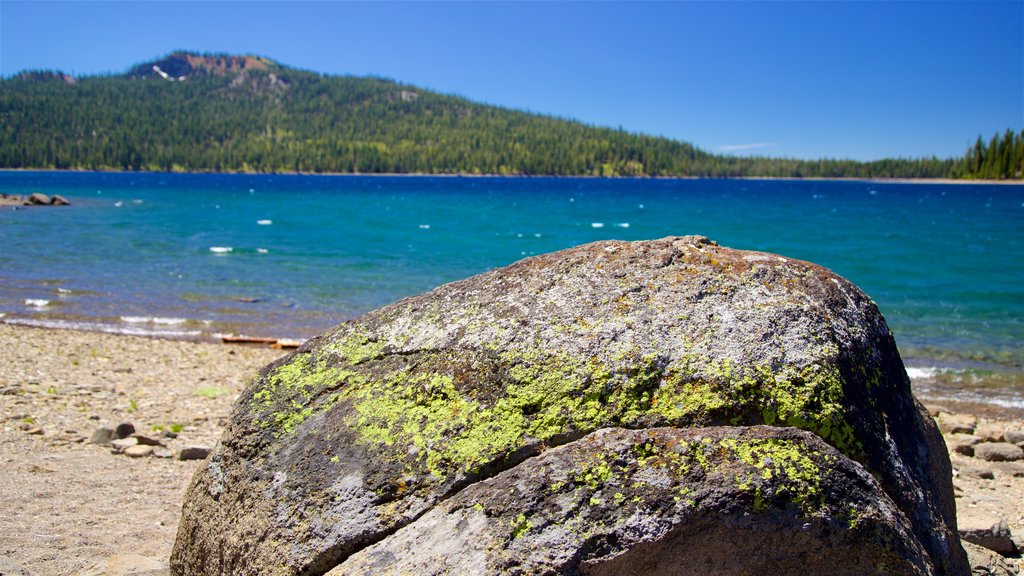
(72, 504)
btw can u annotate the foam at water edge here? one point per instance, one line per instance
(37, 302)
(919, 373)
(98, 327)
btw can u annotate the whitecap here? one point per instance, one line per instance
(63, 291)
(424, 226)
(264, 222)
(136, 201)
(919, 373)
(623, 224)
(168, 321)
(597, 224)
(136, 319)
(98, 327)
(118, 204)
(221, 249)
(37, 302)
(262, 250)
(536, 234)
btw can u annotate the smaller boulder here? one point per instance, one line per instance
(59, 200)
(990, 432)
(38, 199)
(998, 452)
(1014, 436)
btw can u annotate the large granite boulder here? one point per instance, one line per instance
(374, 429)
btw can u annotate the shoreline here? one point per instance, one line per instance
(998, 396)
(77, 504)
(950, 181)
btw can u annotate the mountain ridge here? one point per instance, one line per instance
(218, 112)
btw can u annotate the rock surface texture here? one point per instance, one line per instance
(650, 405)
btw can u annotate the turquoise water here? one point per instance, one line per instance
(138, 253)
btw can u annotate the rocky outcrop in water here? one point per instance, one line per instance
(505, 406)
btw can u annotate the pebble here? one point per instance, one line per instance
(147, 440)
(956, 423)
(162, 452)
(990, 432)
(102, 436)
(138, 451)
(962, 443)
(122, 444)
(998, 452)
(1015, 437)
(34, 431)
(124, 430)
(976, 472)
(193, 453)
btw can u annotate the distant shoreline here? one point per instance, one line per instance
(533, 176)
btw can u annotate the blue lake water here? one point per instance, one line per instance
(288, 256)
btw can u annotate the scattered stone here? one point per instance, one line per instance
(998, 452)
(169, 434)
(122, 444)
(124, 430)
(128, 565)
(985, 530)
(34, 431)
(162, 452)
(1014, 436)
(148, 440)
(193, 453)
(990, 432)
(1012, 469)
(977, 472)
(38, 199)
(985, 562)
(957, 423)
(138, 451)
(935, 409)
(102, 436)
(59, 200)
(962, 443)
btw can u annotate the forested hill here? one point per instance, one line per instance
(190, 112)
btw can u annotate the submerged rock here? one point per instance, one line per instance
(384, 420)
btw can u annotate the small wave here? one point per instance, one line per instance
(623, 224)
(136, 319)
(37, 302)
(99, 327)
(262, 250)
(63, 291)
(168, 321)
(597, 224)
(916, 373)
(264, 222)
(424, 226)
(221, 249)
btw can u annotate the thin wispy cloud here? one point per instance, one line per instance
(738, 147)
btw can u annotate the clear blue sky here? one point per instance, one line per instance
(861, 80)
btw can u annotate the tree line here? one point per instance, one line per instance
(285, 120)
